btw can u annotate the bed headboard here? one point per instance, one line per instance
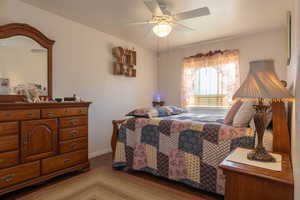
(281, 136)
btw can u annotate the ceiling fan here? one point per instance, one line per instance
(163, 19)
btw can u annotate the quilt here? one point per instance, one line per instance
(186, 148)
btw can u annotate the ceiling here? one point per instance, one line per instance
(228, 18)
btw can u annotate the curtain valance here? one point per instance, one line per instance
(216, 58)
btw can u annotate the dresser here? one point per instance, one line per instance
(39, 141)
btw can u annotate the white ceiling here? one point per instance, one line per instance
(228, 18)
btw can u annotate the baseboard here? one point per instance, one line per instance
(99, 153)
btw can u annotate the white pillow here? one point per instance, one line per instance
(244, 115)
(232, 112)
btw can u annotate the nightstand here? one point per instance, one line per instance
(158, 103)
(245, 182)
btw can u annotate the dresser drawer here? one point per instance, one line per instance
(73, 121)
(72, 133)
(64, 161)
(73, 145)
(8, 143)
(63, 112)
(9, 159)
(9, 128)
(13, 115)
(77, 111)
(19, 174)
(54, 112)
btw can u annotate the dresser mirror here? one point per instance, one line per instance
(25, 62)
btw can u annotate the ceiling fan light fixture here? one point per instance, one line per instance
(162, 30)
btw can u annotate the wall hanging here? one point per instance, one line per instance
(125, 60)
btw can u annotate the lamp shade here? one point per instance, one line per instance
(262, 83)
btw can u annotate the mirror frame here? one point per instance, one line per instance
(17, 29)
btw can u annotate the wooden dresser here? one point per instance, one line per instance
(41, 141)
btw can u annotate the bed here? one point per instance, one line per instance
(186, 148)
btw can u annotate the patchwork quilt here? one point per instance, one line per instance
(186, 148)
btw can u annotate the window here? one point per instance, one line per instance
(207, 85)
(210, 81)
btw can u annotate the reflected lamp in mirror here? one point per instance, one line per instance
(262, 84)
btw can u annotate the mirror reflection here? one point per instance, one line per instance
(23, 66)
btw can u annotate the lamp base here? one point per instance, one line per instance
(260, 154)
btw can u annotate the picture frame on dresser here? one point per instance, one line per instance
(39, 141)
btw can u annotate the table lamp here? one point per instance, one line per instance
(262, 84)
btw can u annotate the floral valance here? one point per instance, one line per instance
(216, 58)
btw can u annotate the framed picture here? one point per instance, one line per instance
(4, 86)
(289, 37)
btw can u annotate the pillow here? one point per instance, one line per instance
(156, 112)
(174, 109)
(244, 114)
(144, 112)
(232, 112)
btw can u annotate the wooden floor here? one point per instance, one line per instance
(104, 161)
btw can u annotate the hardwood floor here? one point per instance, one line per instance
(105, 161)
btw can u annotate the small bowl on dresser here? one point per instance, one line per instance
(59, 100)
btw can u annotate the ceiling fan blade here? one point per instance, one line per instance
(138, 23)
(185, 28)
(154, 7)
(163, 7)
(192, 14)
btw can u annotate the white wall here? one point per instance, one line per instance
(82, 64)
(294, 82)
(271, 44)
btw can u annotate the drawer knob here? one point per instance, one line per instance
(8, 178)
(7, 115)
(74, 122)
(29, 114)
(74, 133)
(50, 114)
(67, 160)
(73, 145)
